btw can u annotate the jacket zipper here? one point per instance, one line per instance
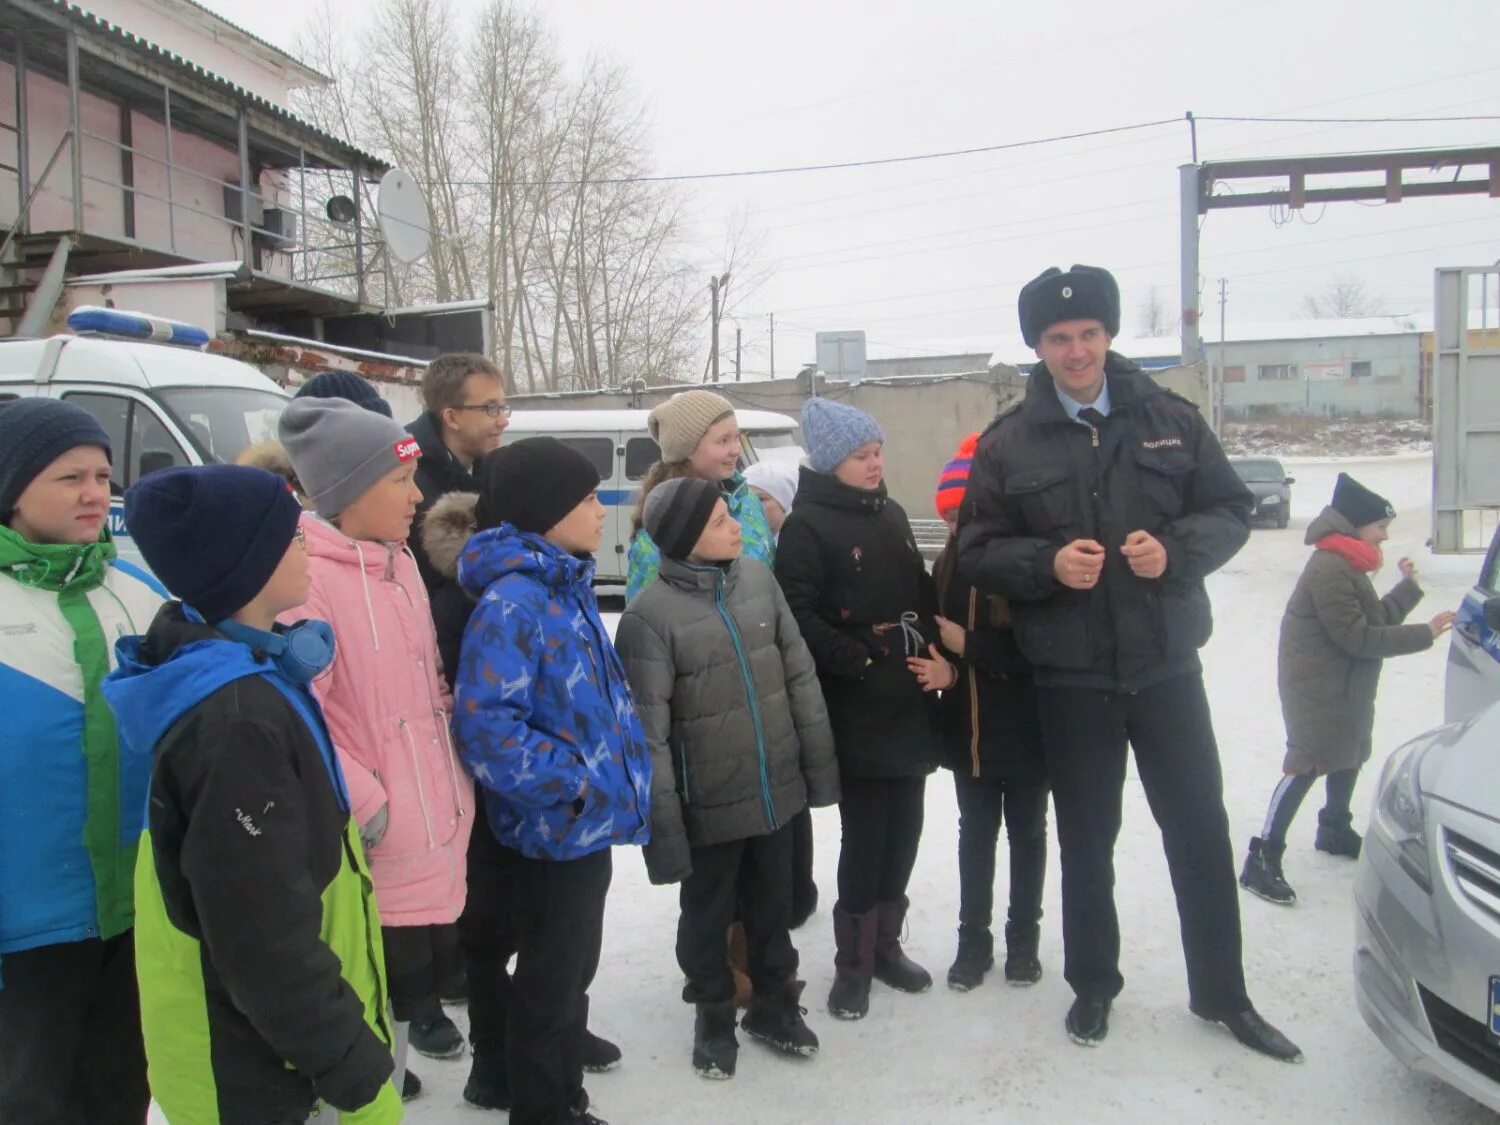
(682, 755)
(749, 681)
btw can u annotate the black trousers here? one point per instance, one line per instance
(488, 937)
(881, 819)
(559, 926)
(751, 879)
(70, 1036)
(418, 959)
(1087, 734)
(983, 804)
(1289, 794)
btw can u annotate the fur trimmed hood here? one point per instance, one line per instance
(446, 529)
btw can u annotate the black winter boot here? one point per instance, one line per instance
(489, 1083)
(1262, 873)
(1336, 834)
(411, 1087)
(715, 1048)
(854, 963)
(436, 1037)
(892, 966)
(776, 1019)
(1022, 965)
(976, 956)
(600, 1056)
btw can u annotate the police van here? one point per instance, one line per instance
(162, 400)
(623, 451)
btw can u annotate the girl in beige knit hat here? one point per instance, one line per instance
(699, 437)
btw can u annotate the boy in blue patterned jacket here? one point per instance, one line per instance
(544, 721)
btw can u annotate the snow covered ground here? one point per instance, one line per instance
(1000, 1054)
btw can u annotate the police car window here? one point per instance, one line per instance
(113, 413)
(1489, 576)
(640, 454)
(152, 447)
(599, 450)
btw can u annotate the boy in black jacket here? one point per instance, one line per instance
(257, 944)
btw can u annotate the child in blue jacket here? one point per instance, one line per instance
(544, 721)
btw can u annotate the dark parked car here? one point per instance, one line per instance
(1269, 484)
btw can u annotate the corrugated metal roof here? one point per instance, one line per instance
(160, 54)
(257, 39)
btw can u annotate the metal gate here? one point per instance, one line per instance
(1466, 416)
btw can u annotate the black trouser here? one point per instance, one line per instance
(70, 1036)
(754, 875)
(559, 925)
(488, 936)
(1087, 735)
(803, 885)
(882, 827)
(418, 959)
(1291, 791)
(983, 803)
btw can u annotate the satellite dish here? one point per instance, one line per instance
(402, 213)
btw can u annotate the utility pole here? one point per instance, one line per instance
(1216, 415)
(716, 286)
(773, 345)
(736, 353)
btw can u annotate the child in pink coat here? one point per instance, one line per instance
(385, 698)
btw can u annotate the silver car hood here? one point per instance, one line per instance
(1462, 766)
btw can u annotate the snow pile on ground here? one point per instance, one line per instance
(1299, 436)
(1000, 1054)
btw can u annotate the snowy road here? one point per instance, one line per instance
(1000, 1054)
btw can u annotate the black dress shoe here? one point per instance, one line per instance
(1254, 1032)
(1088, 1021)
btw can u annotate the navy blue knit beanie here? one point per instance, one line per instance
(345, 384)
(34, 432)
(213, 534)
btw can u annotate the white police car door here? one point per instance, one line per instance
(1474, 651)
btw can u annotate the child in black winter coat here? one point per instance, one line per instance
(855, 581)
(992, 741)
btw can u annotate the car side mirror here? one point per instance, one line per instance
(1290, 480)
(1492, 613)
(154, 461)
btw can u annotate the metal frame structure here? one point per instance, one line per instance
(89, 55)
(1197, 182)
(1465, 418)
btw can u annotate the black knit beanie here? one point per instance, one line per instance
(345, 384)
(1358, 504)
(532, 484)
(676, 513)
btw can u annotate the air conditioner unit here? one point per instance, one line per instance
(232, 199)
(278, 228)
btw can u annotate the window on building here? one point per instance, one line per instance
(1234, 374)
(1267, 372)
(1360, 369)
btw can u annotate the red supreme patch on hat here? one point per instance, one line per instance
(407, 449)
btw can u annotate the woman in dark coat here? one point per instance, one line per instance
(1335, 633)
(862, 597)
(992, 741)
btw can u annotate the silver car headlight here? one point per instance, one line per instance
(1400, 813)
(1272, 499)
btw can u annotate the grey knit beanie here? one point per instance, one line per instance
(678, 424)
(340, 449)
(676, 513)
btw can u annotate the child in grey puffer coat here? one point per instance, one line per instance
(740, 744)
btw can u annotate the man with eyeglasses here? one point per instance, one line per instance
(465, 417)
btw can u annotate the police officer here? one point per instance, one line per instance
(1097, 506)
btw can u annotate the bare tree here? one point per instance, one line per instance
(1344, 297)
(1153, 318)
(537, 184)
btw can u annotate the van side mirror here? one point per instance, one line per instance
(1290, 480)
(1492, 613)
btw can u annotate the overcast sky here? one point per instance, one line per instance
(928, 257)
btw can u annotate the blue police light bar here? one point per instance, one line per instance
(136, 326)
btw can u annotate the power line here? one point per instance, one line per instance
(877, 162)
(1348, 120)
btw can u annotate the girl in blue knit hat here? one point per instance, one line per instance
(71, 803)
(859, 589)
